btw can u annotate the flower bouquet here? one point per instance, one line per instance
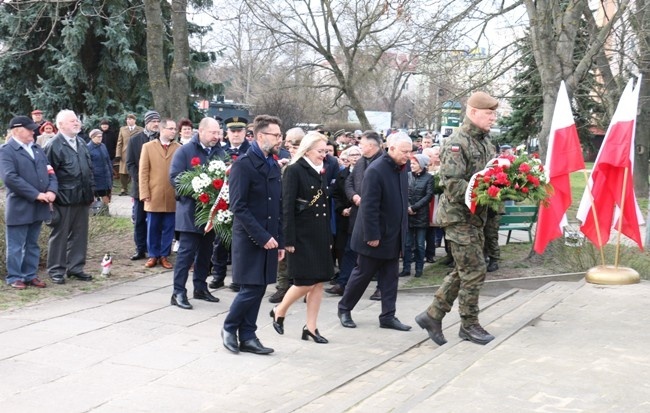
(207, 185)
(508, 178)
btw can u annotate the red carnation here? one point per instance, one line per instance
(524, 190)
(217, 183)
(502, 179)
(524, 168)
(233, 158)
(222, 205)
(322, 171)
(486, 179)
(533, 180)
(196, 161)
(493, 191)
(275, 157)
(204, 198)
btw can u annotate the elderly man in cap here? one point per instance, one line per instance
(466, 152)
(31, 188)
(151, 132)
(68, 155)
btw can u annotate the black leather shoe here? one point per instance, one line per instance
(254, 345)
(394, 324)
(346, 319)
(278, 323)
(180, 300)
(57, 279)
(433, 327)
(82, 276)
(205, 295)
(139, 255)
(476, 334)
(376, 296)
(336, 290)
(430, 260)
(493, 265)
(235, 287)
(230, 341)
(216, 283)
(405, 273)
(277, 296)
(314, 336)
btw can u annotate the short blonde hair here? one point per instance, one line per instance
(307, 143)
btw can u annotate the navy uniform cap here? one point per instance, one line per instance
(236, 122)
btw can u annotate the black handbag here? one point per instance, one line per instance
(302, 204)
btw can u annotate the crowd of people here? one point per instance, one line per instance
(305, 205)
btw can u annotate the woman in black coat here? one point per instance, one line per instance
(307, 233)
(420, 193)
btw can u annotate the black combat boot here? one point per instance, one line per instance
(433, 327)
(475, 333)
(493, 265)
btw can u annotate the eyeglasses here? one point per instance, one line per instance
(277, 135)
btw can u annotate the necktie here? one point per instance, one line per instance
(208, 150)
(73, 143)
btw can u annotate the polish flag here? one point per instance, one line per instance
(611, 181)
(564, 156)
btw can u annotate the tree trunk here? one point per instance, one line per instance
(643, 119)
(155, 57)
(179, 84)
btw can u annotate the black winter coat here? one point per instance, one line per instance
(420, 193)
(73, 170)
(308, 231)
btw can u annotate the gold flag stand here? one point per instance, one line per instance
(611, 274)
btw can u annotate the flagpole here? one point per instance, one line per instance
(620, 219)
(593, 211)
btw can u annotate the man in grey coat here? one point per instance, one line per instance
(379, 233)
(31, 188)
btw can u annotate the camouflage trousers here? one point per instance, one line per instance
(491, 233)
(466, 280)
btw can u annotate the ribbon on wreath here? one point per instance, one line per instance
(474, 181)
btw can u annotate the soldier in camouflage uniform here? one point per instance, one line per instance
(466, 152)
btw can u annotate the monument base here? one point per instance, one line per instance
(611, 275)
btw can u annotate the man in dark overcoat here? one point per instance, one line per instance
(195, 245)
(379, 233)
(31, 187)
(257, 241)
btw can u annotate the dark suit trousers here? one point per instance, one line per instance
(387, 276)
(68, 241)
(194, 248)
(242, 317)
(140, 226)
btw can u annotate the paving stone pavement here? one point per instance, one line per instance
(568, 347)
(564, 347)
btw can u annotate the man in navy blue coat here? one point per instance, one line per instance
(31, 188)
(195, 245)
(379, 233)
(257, 241)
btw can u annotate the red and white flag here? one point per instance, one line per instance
(564, 156)
(611, 181)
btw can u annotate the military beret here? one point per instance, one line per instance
(481, 100)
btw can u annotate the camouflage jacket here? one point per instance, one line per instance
(464, 153)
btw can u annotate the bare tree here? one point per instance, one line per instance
(554, 29)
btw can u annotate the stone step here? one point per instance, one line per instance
(401, 381)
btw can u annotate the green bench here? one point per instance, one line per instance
(519, 218)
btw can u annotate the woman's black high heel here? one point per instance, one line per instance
(278, 324)
(316, 337)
